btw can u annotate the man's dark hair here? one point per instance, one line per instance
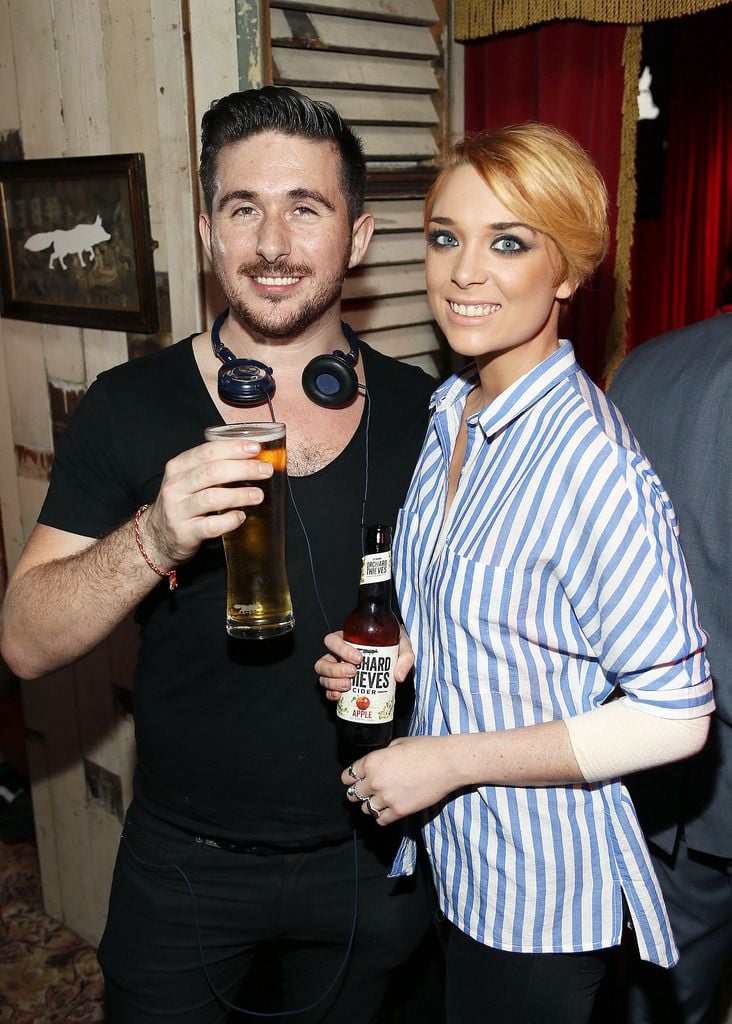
(241, 115)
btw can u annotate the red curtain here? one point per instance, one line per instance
(678, 261)
(568, 74)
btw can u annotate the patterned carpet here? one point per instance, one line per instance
(47, 973)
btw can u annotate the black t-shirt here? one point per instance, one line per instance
(234, 737)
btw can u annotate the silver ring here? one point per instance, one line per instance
(352, 791)
(352, 773)
(373, 811)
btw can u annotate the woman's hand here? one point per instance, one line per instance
(337, 669)
(412, 773)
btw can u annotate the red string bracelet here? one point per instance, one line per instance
(170, 573)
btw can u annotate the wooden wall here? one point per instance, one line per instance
(89, 77)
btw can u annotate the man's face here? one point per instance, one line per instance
(278, 235)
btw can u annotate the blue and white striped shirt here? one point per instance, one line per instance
(556, 577)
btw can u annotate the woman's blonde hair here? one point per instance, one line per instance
(547, 180)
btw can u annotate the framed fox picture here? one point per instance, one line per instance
(75, 243)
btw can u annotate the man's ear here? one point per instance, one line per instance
(204, 230)
(363, 229)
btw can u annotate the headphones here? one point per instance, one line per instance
(330, 381)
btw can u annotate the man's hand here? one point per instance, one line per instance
(202, 496)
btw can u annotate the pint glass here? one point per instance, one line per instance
(258, 603)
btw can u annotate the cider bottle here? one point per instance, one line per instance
(366, 711)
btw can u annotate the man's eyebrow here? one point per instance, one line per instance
(245, 195)
(311, 194)
(236, 195)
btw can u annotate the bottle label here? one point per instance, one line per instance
(373, 691)
(376, 568)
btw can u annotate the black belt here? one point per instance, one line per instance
(267, 849)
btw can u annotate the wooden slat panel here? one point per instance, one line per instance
(417, 12)
(396, 214)
(379, 107)
(397, 142)
(29, 403)
(411, 309)
(9, 112)
(36, 66)
(405, 341)
(310, 67)
(102, 351)
(63, 353)
(323, 32)
(81, 60)
(372, 283)
(397, 248)
(178, 176)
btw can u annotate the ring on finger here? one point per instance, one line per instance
(373, 811)
(352, 772)
(353, 791)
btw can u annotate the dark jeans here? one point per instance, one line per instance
(283, 919)
(492, 986)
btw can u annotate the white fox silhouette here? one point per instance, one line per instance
(79, 240)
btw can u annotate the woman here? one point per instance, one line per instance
(538, 572)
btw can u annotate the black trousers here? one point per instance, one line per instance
(274, 929)
(492, 986)
(697, 890)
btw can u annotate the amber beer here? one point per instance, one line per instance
(366, 711)
(258, 603)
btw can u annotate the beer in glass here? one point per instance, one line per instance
(258, 603)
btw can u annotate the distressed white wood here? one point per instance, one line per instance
(43, 816)
(213, 55)
(396, 142)
(396, 214)
(405, 341)
(215, 73)
(455, 56)
(410, 309)
(11, 520)
(415, 11)
(81, 69)
(362, 107)
(130, 79)
(63, 353)
(374, 283)
(178, 179)
(354, 35)
(36, 68)
(9, 112)
(407, 247)
(102, 351)
(313, 67)
(28, 386)
(32, 494)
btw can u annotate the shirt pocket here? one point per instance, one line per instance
(480, 611)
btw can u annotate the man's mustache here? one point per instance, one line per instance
(278, 269)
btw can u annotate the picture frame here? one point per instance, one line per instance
(75, 243)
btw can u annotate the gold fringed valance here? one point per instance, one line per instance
(626, 197)
(478, 18)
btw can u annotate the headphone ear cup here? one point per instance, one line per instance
(330, 381)
(245, 382)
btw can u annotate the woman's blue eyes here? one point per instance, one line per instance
(508, 244)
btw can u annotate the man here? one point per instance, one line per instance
(238, 838)
(675, 392)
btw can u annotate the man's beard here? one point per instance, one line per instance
(298, 319)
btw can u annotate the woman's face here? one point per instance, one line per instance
(491, 279)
